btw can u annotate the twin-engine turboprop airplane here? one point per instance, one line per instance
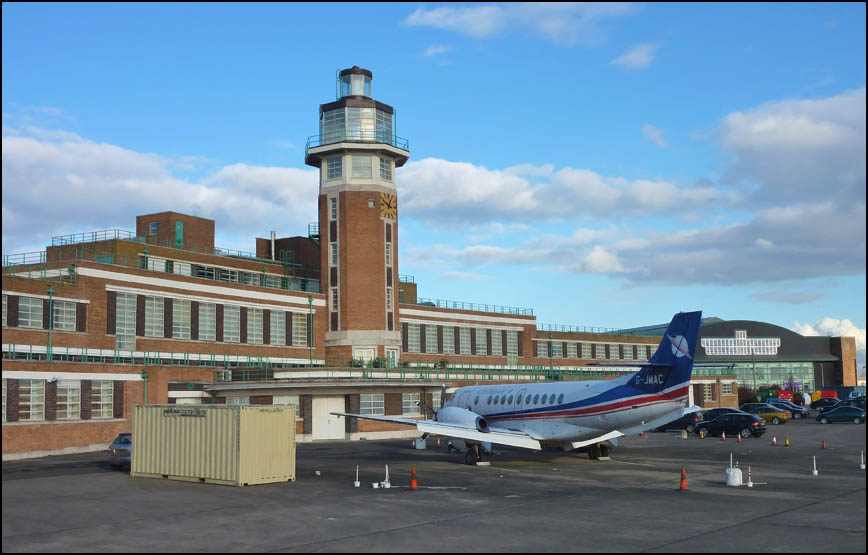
(571, 414)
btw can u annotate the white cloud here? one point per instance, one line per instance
(464, 276)
(561, 23)
(73, 184)
(655, 135)
(638, 57)
(799, 150)
(443, 191)
(836, 328)
(436, 50)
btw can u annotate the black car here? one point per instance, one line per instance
(823, 402)
(795, 410)
(842, 414)
(743, 424)
(687, 422)
(714, 413)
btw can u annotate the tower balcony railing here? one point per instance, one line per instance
(357, 135)
(474, 307)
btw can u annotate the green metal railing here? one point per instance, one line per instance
(574, 329)
(91, 237)
(407, 279)
(360, 135)
(54, 270)
(476, 307)
(23, 258)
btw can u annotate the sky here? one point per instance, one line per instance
(606, 165)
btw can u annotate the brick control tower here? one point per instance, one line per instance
(357, 153)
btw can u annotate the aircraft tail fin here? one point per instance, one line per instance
(671, 364)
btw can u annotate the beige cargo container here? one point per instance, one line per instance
(219, 444)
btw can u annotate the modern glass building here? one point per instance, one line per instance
(766, 355)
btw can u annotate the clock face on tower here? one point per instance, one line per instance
(388, 206)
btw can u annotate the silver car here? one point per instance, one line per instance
(121, 450)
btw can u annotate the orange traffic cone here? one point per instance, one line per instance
(683, 478)
(722, 436)
(824, 444)
(739, 439)
(413, 484)
(774, 440)
(641, 434)
(413, 444)
(438, 441)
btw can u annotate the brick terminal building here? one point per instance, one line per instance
(102, 321)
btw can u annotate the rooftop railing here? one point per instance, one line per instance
(407, 279)
(361, 135)
(574, 329)
(23, 258)
(475, 307)
(91, 237)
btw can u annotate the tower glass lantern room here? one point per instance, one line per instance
(355, 82)
(355, 117)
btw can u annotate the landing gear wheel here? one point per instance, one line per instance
(472, 456)
(594, 452)
(605, 450)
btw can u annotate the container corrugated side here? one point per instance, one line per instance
(267, 444)
(187, 442)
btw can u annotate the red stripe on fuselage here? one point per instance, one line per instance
(607, 408)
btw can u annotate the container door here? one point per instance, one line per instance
(325, 425)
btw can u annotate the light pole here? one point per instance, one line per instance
(310, 329)
(50, 319)
(145, 378)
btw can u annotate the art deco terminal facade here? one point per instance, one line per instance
(101, 321)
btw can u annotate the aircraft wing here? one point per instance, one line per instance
(497, 435)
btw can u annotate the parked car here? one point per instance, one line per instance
(858, 403)
(714, 413)
(795, 411)
(687, 422)
(120, 450)
(768, 412)
(735, 423)
(842, 414)
(824, 402)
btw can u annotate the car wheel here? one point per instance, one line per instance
(797, 416)
(776, 420)
(824, 420)
(746, 433)
(690, 428)
(857, 420)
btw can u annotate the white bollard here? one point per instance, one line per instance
(862, 460)
(386, 483)
(357, 483)
(749, 482)
(814, 472)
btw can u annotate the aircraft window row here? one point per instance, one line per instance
(531, 399)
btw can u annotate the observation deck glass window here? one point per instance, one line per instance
(355, 85)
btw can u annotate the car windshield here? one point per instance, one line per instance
(124, 438)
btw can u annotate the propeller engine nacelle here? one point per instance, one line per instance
(462, 417)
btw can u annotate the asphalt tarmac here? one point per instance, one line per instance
(525, 501)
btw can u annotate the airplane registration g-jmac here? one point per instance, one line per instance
(572, 414)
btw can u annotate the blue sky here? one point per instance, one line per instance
(605, 165)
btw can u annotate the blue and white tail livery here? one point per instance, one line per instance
(572, 414)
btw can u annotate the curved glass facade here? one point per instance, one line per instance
(799, 374)
(356, 124)
(355, 85)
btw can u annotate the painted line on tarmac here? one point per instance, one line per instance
(639, 464)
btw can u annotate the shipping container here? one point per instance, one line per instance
(219, 444)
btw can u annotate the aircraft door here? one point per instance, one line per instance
(518, 404)
(461, 400)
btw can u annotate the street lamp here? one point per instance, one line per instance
(310, 329)
(145, 378)
(50, 319)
